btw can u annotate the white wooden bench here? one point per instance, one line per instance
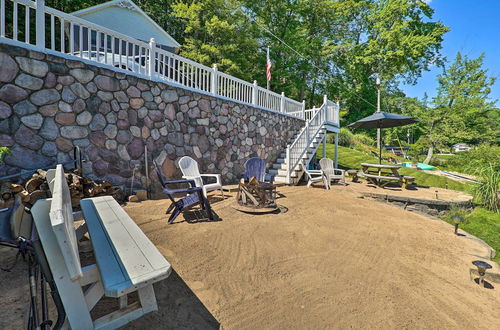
(126, 259)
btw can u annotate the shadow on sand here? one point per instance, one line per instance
(178, 308)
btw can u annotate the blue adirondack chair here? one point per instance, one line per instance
(256, 167)
(194, 196)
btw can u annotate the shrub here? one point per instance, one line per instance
(365, 139)
(3, 151)
(345, 137)
(487, 191)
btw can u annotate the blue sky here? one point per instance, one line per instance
(474, 29)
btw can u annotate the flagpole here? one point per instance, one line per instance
(268, 81)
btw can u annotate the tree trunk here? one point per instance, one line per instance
(429, 154)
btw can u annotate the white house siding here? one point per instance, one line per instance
(128, 22)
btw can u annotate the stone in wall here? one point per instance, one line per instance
(48, 105)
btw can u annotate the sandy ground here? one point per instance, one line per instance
(332, 260)
(414, 191)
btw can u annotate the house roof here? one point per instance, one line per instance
(156, 30)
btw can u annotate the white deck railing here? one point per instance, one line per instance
(31, 22)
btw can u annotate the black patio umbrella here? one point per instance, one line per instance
(383, 120)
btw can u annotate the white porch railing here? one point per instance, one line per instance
(316, 119)
(31, 22)
(332, 112)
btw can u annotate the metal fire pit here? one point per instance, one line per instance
(256, 197)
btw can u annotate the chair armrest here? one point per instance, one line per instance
(339, 170)
(181, 190)
(190, 182)
(218, 177)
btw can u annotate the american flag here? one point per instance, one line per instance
(269, 64)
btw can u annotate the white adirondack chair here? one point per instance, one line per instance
(314, 176)
(190, 171)
(330, 172)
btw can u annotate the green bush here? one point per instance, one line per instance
(345, 137)
(480, 223)
(469, 162)
(487, 191)
(349, 139)
(365, 139)
(3, 151)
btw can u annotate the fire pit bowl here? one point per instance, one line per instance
(256, 197)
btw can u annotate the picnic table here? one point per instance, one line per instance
(381, 174)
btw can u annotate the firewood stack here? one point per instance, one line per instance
(255, 194)
(37, 188)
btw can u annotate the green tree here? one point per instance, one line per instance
(218, 32)
(462, 102)
(318, 47)
(395, 38)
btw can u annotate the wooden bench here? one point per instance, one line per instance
(407, 180)
(382, 179)
(126, 259)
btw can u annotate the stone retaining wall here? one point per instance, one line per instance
(49, 104)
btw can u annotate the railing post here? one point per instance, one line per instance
(336, 155)
(40, 23)
(304, 109)
(152, 57)
(254, 93)
(308, 140)
(337, 114)
(325, 104)
(289, 166)
(282, 103)
(214, 79)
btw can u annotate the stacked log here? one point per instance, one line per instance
(255, 194)
(37, 188)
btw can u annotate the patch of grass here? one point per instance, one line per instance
(352, 159)
(481, 223)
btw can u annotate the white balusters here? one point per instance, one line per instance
(27, 25)
(71, 38)
(14, 18)
(52, 32)
(3, 22)
(67, 34)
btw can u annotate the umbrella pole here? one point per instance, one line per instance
(380, 148)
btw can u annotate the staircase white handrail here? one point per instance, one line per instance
(296, 150)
